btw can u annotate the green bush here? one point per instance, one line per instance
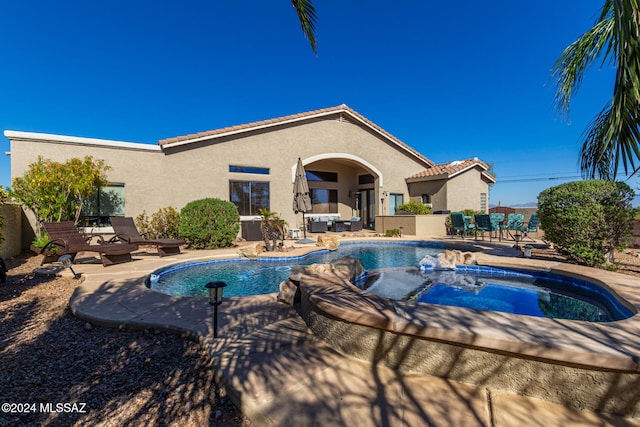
(209, 223)
(414, 207)
(163, 224)
(587, 220)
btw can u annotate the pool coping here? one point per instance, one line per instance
(117, 297)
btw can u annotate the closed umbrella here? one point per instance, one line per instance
(301, 198)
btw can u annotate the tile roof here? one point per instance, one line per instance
(451, 169)
(340, 109)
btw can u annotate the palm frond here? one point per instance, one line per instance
(577, 58)
(308, 18)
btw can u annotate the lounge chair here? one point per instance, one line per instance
(66, 239)
(127, 232)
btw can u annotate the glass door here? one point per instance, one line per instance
(367, 204)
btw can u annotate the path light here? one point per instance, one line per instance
(401, 230)
(215, 299)
(65, 260)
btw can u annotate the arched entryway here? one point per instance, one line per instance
(343, 185)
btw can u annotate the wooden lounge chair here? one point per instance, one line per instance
(66, 239)
(127, 232)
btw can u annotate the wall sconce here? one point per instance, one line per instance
(215, 299)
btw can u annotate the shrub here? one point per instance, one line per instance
(392, 232)
(163, 224)
(414, 207)
(587, 220)
(209, 223)
(56, 191)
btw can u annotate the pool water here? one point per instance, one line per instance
(262, 276)
(392, 272)
(484, 288)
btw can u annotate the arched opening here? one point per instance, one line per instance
(343, 185)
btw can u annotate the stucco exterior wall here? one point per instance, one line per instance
(155, 179)
(463, 191)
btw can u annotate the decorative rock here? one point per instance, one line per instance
(330, 242)
(289, 293)
(87, 326)
(251, 251)
(448, 259)
(349, 267)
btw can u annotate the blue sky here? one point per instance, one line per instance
(454, 82)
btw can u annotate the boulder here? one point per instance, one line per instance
(251, 251)
(330, 242)
(289, 292)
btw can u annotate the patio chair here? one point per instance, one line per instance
(514, 225)
(459, 224)
(497, 220)
(66, 239)
(530, 227)
(482, 225)
(127, 232)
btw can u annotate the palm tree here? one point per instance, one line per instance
(612, 137)
(308, 18)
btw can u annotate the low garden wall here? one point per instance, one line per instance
(12, 244)
(413, 225)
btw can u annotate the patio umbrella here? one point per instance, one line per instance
(301, 198)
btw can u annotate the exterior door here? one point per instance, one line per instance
(367, 203)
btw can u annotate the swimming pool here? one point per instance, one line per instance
(390, 275)
(523, 292)
(263, 275)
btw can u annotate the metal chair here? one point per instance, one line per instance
(482, 225)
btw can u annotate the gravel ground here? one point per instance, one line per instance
(114, 377)
(107, 377)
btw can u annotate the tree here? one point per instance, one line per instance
(611, 139)
(308, 18)
(273, 229)
(56, 191)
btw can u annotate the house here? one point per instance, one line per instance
(354, 168)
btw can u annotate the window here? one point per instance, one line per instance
(395, 200)
(426, 199)
(107, 201)
(319, 176)
(249, 196)
(249, 169)
(366, 179)
(324, 200)
(483, 202)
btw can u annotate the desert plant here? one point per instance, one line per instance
(273, 229)
(209, 223)
(392, 232)
(414, 207)
(587, 220)
(40, 240)
(56, 191)
(163, 224)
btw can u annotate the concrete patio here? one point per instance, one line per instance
(278, 373)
